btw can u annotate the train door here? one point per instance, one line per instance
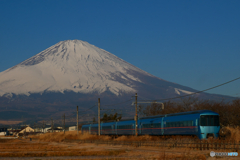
(151, 127)
(196, 125)
(133, 130)
(113, 129)
(162, 126)
(140, 128)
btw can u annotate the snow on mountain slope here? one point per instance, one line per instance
(71, 65)
(179, 91)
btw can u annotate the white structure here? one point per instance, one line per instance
(73, 128)
(2, 133)
(27, 129)
(45, 130)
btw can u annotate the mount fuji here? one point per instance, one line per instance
(74, 72)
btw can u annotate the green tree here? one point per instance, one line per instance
(111, 117)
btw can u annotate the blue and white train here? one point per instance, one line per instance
(202, 123)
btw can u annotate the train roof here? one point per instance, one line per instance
(178, 114)
(166, 115)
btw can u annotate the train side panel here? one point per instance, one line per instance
(125, 127)
(108, 128)
(150, 126)
(181, 125)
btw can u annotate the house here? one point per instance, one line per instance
(73, 128)
(45, 130)
(23, 131)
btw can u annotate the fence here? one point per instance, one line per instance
(200, 145)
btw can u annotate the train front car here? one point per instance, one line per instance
(208, 125)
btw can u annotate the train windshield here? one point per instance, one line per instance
(209, 120)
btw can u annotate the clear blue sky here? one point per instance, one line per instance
(192, 43)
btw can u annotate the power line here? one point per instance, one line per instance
(88, 109)
(144, 98)
(116, 103)
(196, 92)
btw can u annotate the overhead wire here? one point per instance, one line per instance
(87, 109)
(195, 92)
(114, 104)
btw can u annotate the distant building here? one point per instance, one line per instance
(24, 131)
(45, 130)
(73, 128)
(4, 132)
(55, 130)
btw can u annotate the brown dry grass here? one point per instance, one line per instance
(60, 136)
(234, 134)
(23, 148)
(185, 155)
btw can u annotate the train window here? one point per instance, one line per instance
(181, 124)
(185, 123)
(94, 129)
(209, 120)
(145, 125)
(156, 125)
(106, 127)
(177, 124)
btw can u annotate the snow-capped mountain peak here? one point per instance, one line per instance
(71, 65)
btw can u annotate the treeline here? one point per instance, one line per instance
(229, 112)
(107, 118)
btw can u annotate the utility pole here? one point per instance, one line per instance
(136, 116)
(64, 122)
(77, 120)
(99, 117)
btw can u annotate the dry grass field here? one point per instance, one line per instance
(54, 146)
(26, 148)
